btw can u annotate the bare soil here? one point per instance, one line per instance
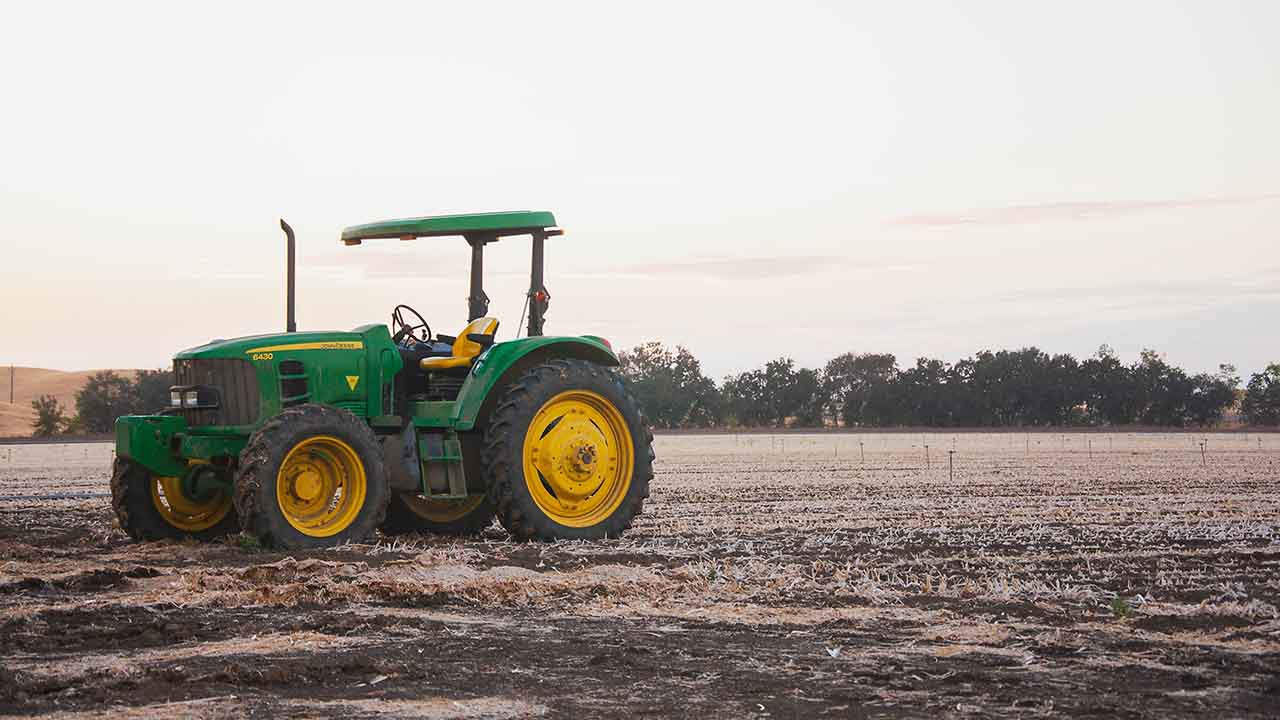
(796, 576)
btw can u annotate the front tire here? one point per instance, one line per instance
(567, 454)
(151, 507)
(312, 477)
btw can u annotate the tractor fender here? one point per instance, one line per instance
(504, 362)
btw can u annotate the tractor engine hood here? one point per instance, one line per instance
(249, 346)
(241, 381)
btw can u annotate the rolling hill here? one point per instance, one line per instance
(31, 383)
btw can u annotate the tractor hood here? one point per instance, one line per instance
(260, 345)
(255, 377)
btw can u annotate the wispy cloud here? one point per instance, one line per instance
(385, 265)
(1051, 212)
(754, 268)
(1253, 289)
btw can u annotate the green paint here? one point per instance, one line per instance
(507, 223)
(497, 360)
(330, 360)
(209, 446)
(437, 414)
(146, 439)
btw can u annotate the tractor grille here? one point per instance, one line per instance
(293, 383)
(237, 384)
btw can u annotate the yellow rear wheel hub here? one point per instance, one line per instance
(578, 458)
(184, 513)
(321, 486)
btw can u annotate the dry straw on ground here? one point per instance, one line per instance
(767, 579)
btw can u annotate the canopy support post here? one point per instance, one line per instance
(538, 296)
(477, 301)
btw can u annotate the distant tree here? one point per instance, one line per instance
(104, 397)
(1162, 391)
(807, 398)
(992, 398)
(1211, 395)
(670, 386)
(1005, 388)
(1261, 404)
(782, 399)
(151, 390)
(50, 417)
(744, 400)
(881, 404)
(775, 395)
(923, 393)
(1110, 390)
(847, 382)
(74, 426)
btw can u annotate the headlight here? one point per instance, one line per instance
(194, 397)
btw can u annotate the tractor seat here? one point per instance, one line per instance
(474, 339)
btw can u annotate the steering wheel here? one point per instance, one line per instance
(419, 331)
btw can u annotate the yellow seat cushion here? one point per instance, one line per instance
(465, 349)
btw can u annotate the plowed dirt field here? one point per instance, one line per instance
(771, 576)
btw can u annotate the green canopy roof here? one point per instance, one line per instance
(515, 222)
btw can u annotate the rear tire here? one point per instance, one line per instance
(146, 510)
(567, 453)
(408, 513)
(312, 477)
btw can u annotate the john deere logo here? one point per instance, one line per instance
(352, 381)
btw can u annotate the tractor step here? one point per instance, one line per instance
(441, 455)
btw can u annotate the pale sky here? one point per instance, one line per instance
(749, 180)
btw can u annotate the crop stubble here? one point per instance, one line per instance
(770, 576)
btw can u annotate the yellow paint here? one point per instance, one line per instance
(321, 486)
(352, 381)
(185, 514)
(578, 458)
(464, 349)
(328, 345)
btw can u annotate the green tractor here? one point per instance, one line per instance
(312, 439)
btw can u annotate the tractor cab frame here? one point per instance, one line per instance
(478, 229)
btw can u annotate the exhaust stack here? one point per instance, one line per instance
(290, 324)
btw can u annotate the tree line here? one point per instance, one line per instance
(1006, 388)
(105, 396)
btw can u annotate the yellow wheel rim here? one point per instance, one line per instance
(442, 511)
(578, 458)
(321, 486)
(184, 513)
